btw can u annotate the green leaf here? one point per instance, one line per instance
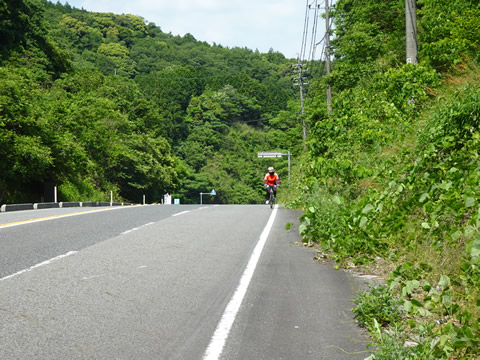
(302, 229)
(424, 197)
(416, 303)
(410, 286)
(423, 312)
(468, 332)
(338, 200)
(363, 222)
(475, 248)
(425, 225)
(469, 202)
(367, 209)
(408, 306)
(459, 343)
(444, 339)
(444, 282)
(456, 235)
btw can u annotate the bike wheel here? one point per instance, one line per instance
(271, 200)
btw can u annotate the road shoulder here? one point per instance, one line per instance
(296, 307)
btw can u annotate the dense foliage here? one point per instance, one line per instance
(393, 174)
(98, 102)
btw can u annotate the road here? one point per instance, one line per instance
(169, 282)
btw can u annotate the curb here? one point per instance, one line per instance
(16, 207)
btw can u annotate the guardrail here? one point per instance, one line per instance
(51, 205)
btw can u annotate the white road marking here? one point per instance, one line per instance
(181, 213)
(39, 265)
(137, 228)
(215, 348)
(92, 277)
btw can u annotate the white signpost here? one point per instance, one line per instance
(212, 193)
(167, 199)
(266, 154)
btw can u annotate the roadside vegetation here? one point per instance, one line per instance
(392, 179)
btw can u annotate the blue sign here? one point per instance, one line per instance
(213, 192)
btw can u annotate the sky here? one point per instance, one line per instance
(255, 24)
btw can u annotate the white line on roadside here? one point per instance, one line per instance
(215, 348)
(39, 265)
(181, 213)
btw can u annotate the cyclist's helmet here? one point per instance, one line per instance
(270, 170)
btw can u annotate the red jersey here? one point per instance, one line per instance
(271, 179)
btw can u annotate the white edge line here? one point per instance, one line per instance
(39, 265)
(215, 348)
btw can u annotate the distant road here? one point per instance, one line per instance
(169, 282)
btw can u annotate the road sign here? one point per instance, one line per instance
(266, 154)
(212, 193)
(269, 154)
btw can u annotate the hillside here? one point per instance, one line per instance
(99, 102)
(391, 182)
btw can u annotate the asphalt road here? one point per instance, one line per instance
(154, 282)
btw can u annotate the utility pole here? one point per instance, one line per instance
(411, 31)
(299, 82)
(327, 53)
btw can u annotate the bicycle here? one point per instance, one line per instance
(271, 197)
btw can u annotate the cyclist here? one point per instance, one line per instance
(271, 180)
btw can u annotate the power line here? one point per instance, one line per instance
(214, 125)
(305, 33)
(316, 5)
(327, 54)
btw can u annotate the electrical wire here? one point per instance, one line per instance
(305, 33)
(314, 70)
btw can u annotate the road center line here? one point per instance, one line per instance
(181, 213)
(136, 228)
(54, 217)
(39, 265)
(215, 348)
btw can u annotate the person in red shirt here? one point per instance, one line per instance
(271, 180)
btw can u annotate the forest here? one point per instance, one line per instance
(388, 180)
(95, 103)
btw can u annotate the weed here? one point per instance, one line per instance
(376, 306)
(288, 226)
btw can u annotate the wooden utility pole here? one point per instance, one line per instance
(300, 83)
(411, 31)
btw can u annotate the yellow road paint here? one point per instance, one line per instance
(53, 217)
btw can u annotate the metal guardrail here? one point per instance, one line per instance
(51, 205)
